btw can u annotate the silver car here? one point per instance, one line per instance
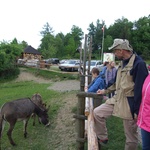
(94, 63)
(70, 65)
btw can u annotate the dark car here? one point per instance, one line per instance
(52, 61)
(55, 60)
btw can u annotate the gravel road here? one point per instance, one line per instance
(61, 86)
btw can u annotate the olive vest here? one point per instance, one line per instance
(124, 87)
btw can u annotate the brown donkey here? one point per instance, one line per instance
(20, 110)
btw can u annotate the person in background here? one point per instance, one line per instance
(125, 104)
(144, 115)
(110, 76)
(102, 73)
(97, 82)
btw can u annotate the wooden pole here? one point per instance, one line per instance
(102, 43)
(85, 54)
(91, 135)
(81, 104)
(89, 60)
(81, 61)
(92, 138)
(89, 94)
(96, 102)
(80, 124)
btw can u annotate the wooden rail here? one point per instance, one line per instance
(91, 135)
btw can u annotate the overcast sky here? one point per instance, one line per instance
(24, 19)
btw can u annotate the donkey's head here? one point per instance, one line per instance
(43, 116)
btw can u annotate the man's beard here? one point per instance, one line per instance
(120, 58)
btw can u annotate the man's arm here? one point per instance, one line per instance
(140, 72)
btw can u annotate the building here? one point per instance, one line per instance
(31, 53)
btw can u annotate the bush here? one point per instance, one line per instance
(9, 73)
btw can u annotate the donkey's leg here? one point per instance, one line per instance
(34, 118)
(9, 132)
(39, 120)
(25, 127)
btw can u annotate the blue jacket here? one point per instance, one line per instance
(102, 73)
(97, 83)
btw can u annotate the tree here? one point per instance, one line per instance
(69, 45)
(59, 43)
(121, 29)
(97, 35)
(47, 46)
(77, 35)
(141, 36)
(47, 29)
(9, 52)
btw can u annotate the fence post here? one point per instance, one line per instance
(96, 102)
(92, 139)
(80, 123)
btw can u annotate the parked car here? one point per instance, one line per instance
(21, 61)
(70, 65)
(62, 61)
(52, 61)
(94, 63)
(32, 63)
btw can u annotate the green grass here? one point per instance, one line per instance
(54, 68)
(115, 134)
(39, 136)
(10, 91)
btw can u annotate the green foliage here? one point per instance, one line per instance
(60, 45)
(77, 34)
(47, 47)
(138, 33)
(9, 52)
(70, 47)
(47, 29)
(141, 36)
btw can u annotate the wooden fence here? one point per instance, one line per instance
(81, 117)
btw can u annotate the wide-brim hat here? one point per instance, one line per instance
(121, 44)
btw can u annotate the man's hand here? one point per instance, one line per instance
(86, 88)
(135, 116)
(101, 91)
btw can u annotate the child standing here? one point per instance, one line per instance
(97, 83)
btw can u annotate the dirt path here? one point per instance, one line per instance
(61, 86)
(63, 137)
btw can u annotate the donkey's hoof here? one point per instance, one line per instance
(13, 144)
(25, 135)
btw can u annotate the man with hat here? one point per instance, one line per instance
(125, 104)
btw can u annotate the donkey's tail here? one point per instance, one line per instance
(2, 124)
